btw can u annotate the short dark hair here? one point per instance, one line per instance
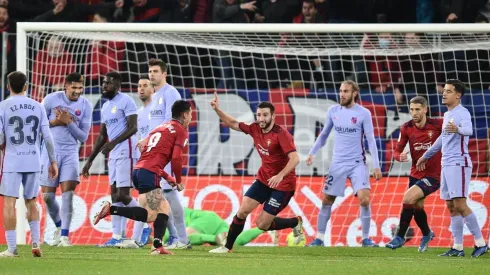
(115, 75)
(144, 76)
(179, 107)
(310, 2)
(267, 104)
(419, 100)
(458, 85)
(17, 81)
(158, 62)
(74, 77)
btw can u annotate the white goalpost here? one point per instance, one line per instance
(298, 67)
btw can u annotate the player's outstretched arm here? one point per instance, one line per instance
(49, 143)
(436, 147)
(322, 138)
(132, 128)
(399, 155)
(368, 128)
(228, 120)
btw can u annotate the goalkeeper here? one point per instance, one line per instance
(207, 227)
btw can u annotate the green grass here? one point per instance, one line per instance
(245, 260)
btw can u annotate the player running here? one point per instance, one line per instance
(276, 178)
(420, 132)
(70, 118)
(22, 121)
(164, 145)
(351, 123)
(456, 169)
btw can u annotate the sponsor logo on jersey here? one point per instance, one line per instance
(345, 129)
(111, 121)
(262, 150)
(421, 146)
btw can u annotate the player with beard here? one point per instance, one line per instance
(119, 126)
(352, 123)
(276, 178)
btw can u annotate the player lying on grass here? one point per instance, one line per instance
(163, 145)
(420, 133)
(207, 227)
(276, 178)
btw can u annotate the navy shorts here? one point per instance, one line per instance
(145, 181)
(274, 200)
(428, 185)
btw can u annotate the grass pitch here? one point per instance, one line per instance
(244, 260)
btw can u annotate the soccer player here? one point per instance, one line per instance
(145, 91)
(207, 227)
(456, 169)
(22, 120)
(119, 125)
(351, 123)
(276, 179)
(420, 132)
(70, 118)
(160, 112)
(164, 144)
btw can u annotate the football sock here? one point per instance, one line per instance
(236, 228)
(177, 215)
(35, 231)
(133, 213)
(138, 226)
(172, 231)
(405, 219)
(159, 227)
(66, 212)
(11, 238)
(457, 225)
(248, 235)
(365, 221)
(116, 222)
(53, 208)
(283, 223)
(472, 224)
(322, 220)
(421, 219)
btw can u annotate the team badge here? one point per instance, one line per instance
(78, 112)
(268, 142)
(160, 101)
(353, 120)
(430, 134)
(113, 110)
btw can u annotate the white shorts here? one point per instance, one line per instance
(68, 170)
(455, 182)
(10, 184)
(120, 171)
(338, 174)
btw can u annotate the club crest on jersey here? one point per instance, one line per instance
(353, 120)
(78, 112)
(268, 143)
(430, 134)
(114, 110)
(160, 101)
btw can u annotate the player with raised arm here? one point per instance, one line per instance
(456, 169)
(70, 118)
(160, 112)
(145, 91)
(22, 121)
(119, 126)
(420, 133)
(164, 144)
(276, 179)
(352, 123)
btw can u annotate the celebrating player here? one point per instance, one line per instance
(420, 133)
(456, 168)
(164, 144)
(70, 118)
(351, 122)
(22, 120)
(160, 112)
(145, 91)
(276, 178)
(119, 124)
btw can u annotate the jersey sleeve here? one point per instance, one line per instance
(81, 132)
(322, 138)
(46, 105)
(130, 108)
(47, 137)
(2, 131)
(181, 139)
(465, 126)
(286, 142)
(245, 127)
(402, 142)
(367, 126)
(172, 96)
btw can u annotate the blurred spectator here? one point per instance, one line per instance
(484, 12)
(230, 11)
(461, 11)
(51, 65)
(350, 11)
(309, 13)
(279, 11)
(7, 26)
(69, 11)
(146, 11)
(102, 56)
(25, 10)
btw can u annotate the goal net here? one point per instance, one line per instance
(297, 67)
